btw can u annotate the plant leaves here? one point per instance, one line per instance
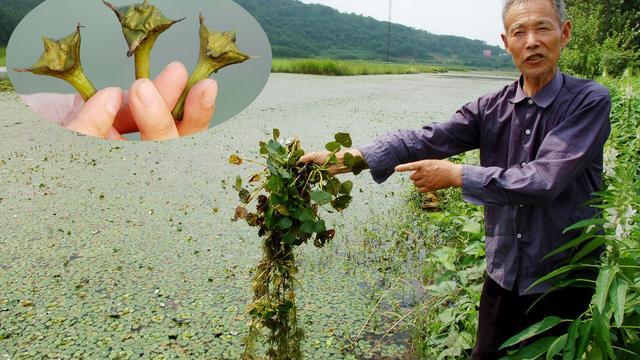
(333, 186)
(556, 347)
(311, 227)
(255, 179)
(603, 282)
(572, 336)
(276, 134)
(321, 197)
(284, 223)
(356, 163)
(618, 295)
(244, 195)
(601, 332)
(341, 202)
(584, 223)
(343, 139)
(557, 272)
(571, 244)
(472, 227)
(332, 146)
(532, 351)
(282, 209)
(240, 213)
(533, 330)
(588, 248)
(238, 183)
(346, 187)
(583, 339)
(306, 215)
(235, 160)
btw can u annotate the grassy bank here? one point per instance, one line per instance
(347, 68)
(3, 56)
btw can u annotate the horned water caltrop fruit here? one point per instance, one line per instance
(141, 26)
(286, 217)
(217, 50)
(61, 59)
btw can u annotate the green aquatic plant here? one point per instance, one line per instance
(141, 26)
(217, 50)
(61, 59)
(287, 216)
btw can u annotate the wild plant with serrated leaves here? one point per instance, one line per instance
(287, 216)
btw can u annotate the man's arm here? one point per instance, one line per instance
(434, 141)
(564, 154)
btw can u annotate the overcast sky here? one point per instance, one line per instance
(474, 19)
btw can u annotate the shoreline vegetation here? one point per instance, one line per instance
(350, 67)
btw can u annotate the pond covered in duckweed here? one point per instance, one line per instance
(127, 250)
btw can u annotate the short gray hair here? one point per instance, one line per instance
(559, 6)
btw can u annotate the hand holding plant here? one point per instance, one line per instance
(96, 118)
(157, 114)
(287, 217)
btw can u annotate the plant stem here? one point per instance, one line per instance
(81, 83)
(142, 56)
(202, 71)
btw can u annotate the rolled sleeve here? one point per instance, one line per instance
(472, 186)
(380, 165)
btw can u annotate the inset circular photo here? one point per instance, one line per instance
(151, 70)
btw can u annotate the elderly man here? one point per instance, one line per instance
(541, 140)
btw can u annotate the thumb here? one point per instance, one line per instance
(408, 167)
(97, 115)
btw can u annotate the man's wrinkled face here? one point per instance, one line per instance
(535, 37)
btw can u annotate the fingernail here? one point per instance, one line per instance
(147, 93)
(208, 96)
(171, 65)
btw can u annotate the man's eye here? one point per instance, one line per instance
(518, 33)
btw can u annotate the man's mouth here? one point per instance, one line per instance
(534, 58)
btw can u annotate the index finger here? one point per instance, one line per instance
(407, 167)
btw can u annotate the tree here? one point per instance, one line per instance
(606, 37)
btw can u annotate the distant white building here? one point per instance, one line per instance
(486, 53)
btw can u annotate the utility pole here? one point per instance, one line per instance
(389, 33)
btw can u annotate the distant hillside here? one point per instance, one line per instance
(299, 30)
(11, 12)
(303, 30)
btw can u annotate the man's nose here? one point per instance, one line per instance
(532, 40)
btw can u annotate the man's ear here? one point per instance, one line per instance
(505, 42)
(566, 33)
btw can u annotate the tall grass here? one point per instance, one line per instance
(348, 68)
(3, 56)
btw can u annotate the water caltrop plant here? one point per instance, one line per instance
(141, 25)
(61, 59)
(289, 196)
(217, 50)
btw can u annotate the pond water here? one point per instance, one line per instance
(122, 250)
